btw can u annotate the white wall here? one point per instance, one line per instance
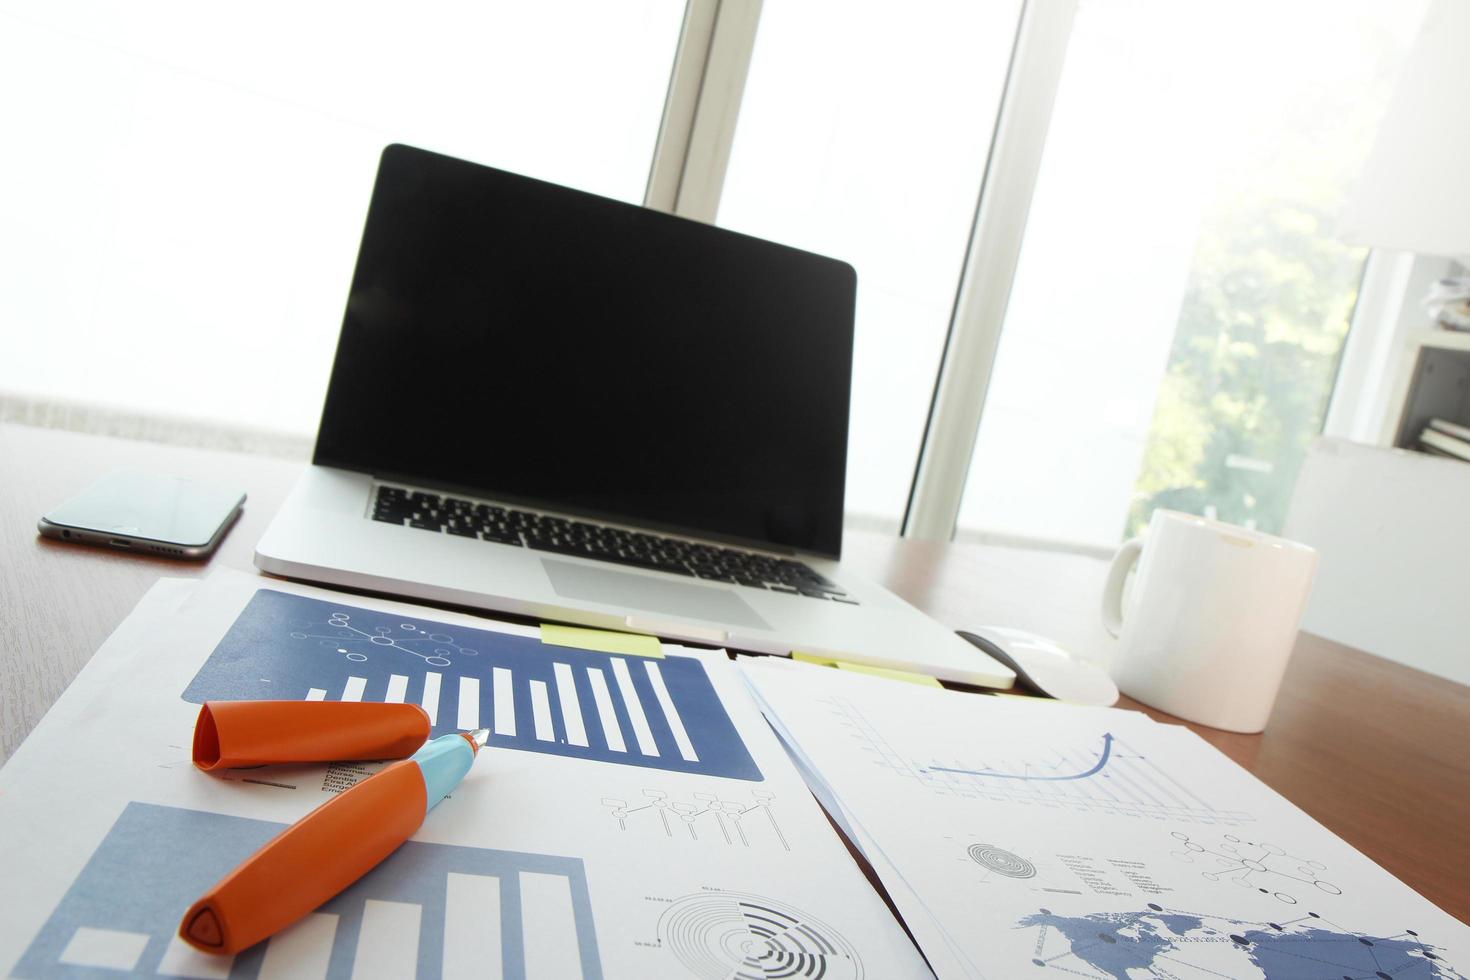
(1393, 530)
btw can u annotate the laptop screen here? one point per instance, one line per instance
(523, 341)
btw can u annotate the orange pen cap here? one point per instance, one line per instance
(235, 734)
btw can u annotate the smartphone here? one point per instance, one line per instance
(147, 512)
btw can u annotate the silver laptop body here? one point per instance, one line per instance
(560, 406)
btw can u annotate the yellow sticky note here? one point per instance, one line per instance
(907, 676)
(603, 641)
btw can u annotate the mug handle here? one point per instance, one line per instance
(1112, 600)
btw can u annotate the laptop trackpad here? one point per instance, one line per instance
(645, 592)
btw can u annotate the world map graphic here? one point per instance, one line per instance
(1164, 942)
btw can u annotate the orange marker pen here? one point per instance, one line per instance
(328, 849)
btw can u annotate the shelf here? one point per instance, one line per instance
(1444, 339)
(1438, 385)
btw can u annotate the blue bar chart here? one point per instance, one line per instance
(429, 910)
(637, 711)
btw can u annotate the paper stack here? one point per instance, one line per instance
(1032, 838)
(632, 816)
(1444, 438)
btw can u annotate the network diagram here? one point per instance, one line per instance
(737, 822)
(352, 643)
(1254, 865)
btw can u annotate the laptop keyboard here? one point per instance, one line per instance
(560, 535)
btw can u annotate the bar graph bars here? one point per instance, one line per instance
(469, 704)
(655, 713)
(541, 712)
(606, 715)
(304, 949)
(470, 950)
(546, 913)
(505, 703)
(429, 910)
(430, 699)
(571, 710)
(671, 713)
(636, 717)
(104, 949)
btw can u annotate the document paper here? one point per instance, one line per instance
(630, 817)
(1048, 841)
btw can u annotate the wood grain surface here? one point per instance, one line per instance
(1377, 752)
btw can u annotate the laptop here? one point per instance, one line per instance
(550, 403)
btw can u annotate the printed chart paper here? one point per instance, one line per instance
(663, 714)
(623, 821)
(1056, 841)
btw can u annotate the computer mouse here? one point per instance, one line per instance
(1044, 667)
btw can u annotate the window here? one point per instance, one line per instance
(185, 187)
(863, 135)
(1182, 298)
(185, 183)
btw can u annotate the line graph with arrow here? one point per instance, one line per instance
(1097, 767)
(1105, 775)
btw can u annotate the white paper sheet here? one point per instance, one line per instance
(1035, 840)
(662, 851)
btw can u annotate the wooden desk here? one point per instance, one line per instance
(1377, 752)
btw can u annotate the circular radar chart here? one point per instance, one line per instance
(1005, 863)
(720, 935)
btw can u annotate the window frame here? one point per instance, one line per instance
(687, 177)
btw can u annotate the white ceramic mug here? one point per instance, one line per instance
(1209, 621)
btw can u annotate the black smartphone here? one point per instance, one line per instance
(147, 512)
